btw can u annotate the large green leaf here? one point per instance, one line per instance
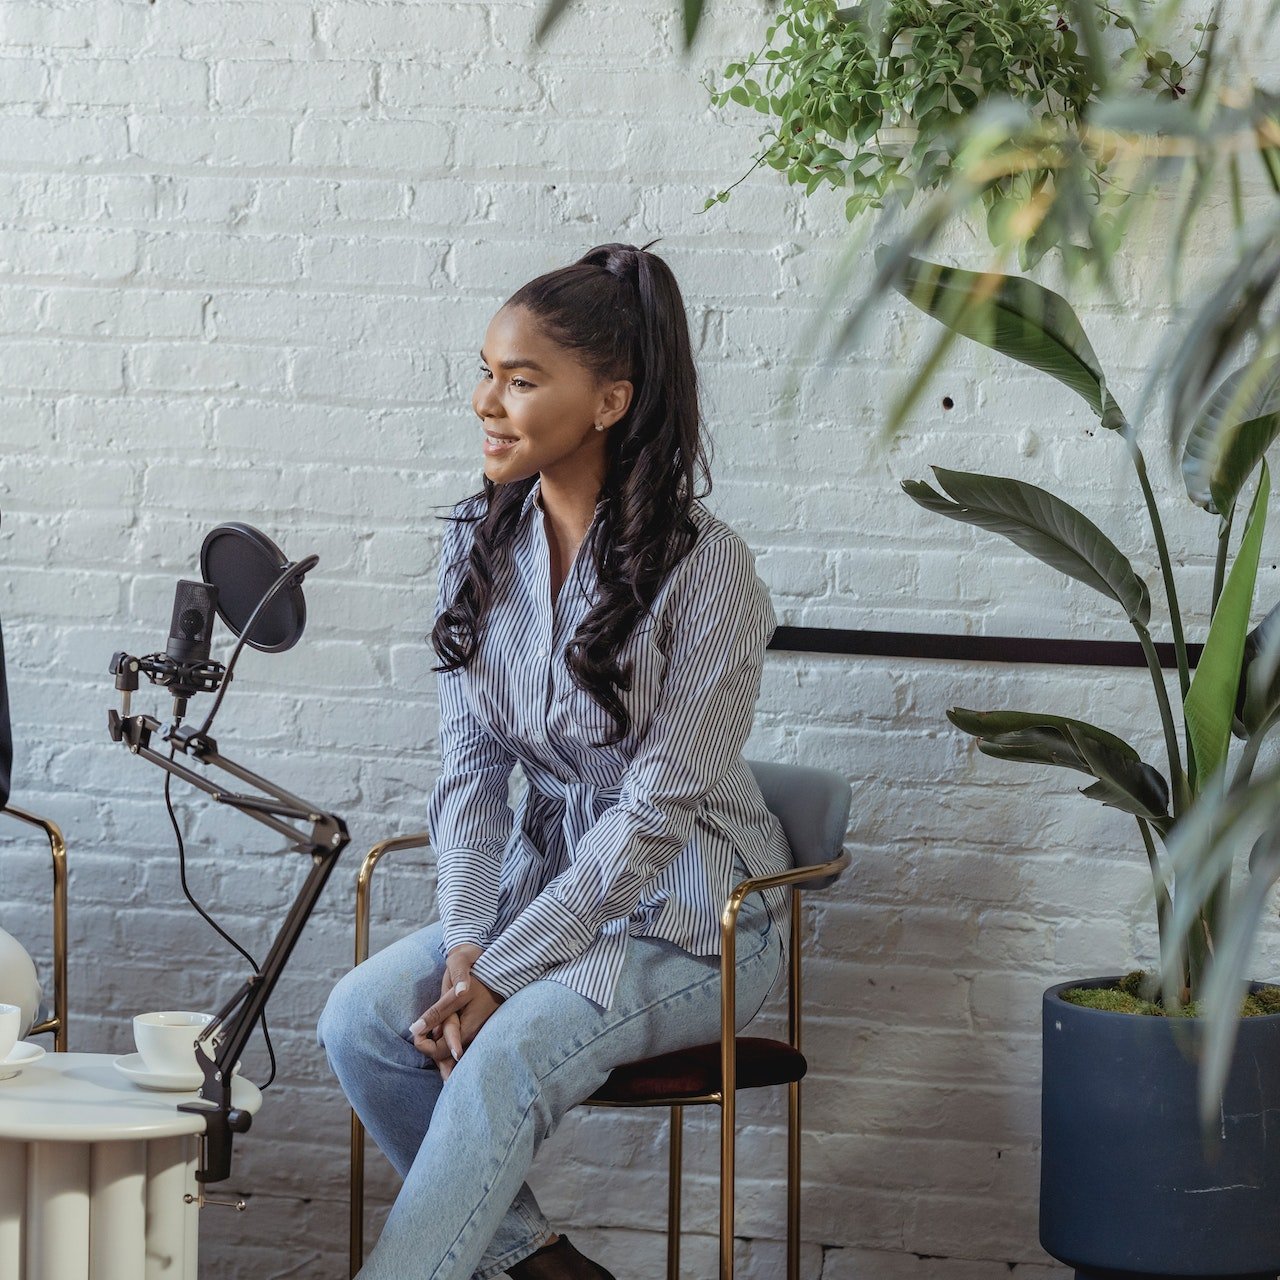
(553, 10)
(995, 724)
(1258, 697)
(1227, 979)
(1199, 854)
(1211, 699)
(1233, 431)
(1225, 321)
(1050, 529)
(1015, 316)
(1169, 118)
(1124, 780)
(1132, 786)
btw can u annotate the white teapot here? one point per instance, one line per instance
(18, 981)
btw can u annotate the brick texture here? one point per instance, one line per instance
(247, 256)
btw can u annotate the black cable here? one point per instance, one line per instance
(208, 919)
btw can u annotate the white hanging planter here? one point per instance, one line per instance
(898, 139)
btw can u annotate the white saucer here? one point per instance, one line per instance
(23, 1055)
(132, 1067)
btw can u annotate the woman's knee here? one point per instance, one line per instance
(345, 1013)
(384, 994)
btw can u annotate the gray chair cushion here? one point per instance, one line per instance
(812, 805)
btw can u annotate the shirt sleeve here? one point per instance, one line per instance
(468, 816)
(721, 621)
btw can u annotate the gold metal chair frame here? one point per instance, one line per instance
(725, 1096)
(58, 852)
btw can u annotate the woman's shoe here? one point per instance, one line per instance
(558, 1261)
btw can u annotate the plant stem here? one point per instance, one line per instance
(1164, 904)
(1183, 785)
(1200, 946)
(1249, 756)
(1166, 567)
(1220, 561)
(1177, 779)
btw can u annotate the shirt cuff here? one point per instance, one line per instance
(465, 895)
(457, 938)
(546, 933)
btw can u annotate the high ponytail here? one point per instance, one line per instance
(619, 309)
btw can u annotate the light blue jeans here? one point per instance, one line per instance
(464, 1145)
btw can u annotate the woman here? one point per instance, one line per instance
(597, 625)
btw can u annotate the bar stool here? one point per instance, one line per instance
(813, 807)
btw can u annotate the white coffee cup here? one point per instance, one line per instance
(166, 1040)
(10, 1025)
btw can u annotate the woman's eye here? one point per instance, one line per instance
(485, 373)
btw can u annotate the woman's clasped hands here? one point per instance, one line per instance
(453, 1022)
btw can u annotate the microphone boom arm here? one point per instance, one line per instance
(323, 843)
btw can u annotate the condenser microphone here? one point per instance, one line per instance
(194, 604)
(257, 592)
(190, 630)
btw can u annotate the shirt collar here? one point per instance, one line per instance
(531, 500)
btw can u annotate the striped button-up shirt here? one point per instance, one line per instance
(635, 839)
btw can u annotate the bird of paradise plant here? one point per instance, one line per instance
(1207, 804)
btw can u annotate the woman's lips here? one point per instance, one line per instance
(495, 445)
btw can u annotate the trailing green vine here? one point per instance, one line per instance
(877, 112)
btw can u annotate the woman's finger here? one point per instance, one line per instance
(452, 1034)
(431, 1046)
(443, 1007)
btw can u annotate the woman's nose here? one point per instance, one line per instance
(483, 399)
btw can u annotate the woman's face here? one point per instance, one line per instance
(538, 405)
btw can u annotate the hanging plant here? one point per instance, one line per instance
(876, 109)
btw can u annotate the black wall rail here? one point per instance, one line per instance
(907, 644)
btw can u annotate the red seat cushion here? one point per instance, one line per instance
(689, 1072)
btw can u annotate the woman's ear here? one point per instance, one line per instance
(615, 402)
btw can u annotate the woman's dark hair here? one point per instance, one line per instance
(619, 309)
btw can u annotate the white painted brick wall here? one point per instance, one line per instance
(247, 253)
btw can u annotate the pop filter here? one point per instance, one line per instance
(244, 564)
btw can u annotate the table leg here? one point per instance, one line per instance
(13, 1208)
(57, 1211)
(117, 1211)
(172, 1225)
(190, 1149)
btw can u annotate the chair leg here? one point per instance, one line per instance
(675, 1168)
(793, 1182)
(356, 1241)
(727, 1139)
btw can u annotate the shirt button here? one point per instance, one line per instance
(542, 653)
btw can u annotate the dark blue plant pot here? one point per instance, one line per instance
(1128, 1187)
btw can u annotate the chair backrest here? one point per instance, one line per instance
(812, 805)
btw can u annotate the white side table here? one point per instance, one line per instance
(93, 1171)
